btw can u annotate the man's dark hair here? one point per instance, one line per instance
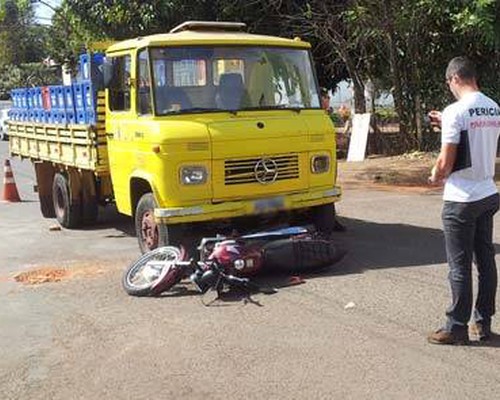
(463, 68)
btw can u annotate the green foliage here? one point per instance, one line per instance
(336, 119)
(21, 40)
(386, 115)
(67, 36)
(405, 45)
(26, 75)
(481, 18)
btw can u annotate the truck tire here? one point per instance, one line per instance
(323, 218)
(47, 206)
(150, 234)
(67, 212)
(44, 182)
(301, 217)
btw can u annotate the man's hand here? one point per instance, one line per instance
(433, 179)
(444, 164)
(435, 118)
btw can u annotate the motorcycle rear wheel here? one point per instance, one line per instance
(297, 255)
(144, 277)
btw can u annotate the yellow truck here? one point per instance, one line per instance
(204, 123)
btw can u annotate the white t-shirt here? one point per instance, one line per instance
(476, 118)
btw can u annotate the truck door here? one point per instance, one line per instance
(120, 115)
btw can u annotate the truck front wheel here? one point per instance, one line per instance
(66, 209)
(323, 218)
(150, 234)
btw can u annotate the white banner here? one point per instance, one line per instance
(359, 137)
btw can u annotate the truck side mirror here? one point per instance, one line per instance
(107, 73)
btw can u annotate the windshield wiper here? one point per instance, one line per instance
(207, 109)
(275, 107)
(198, 109)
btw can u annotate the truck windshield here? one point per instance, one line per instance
(231, 78)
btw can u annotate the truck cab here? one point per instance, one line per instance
(208, 122)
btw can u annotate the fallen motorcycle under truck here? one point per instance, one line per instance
(205, 123)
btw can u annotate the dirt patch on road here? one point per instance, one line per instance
(408, 171)
(50, 274)
(42, 275)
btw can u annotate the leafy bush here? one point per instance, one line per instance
(386, 115)
(336, 119)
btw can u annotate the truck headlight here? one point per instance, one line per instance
(193, 175)
(320, 164)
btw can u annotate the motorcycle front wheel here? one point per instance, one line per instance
(153, 271)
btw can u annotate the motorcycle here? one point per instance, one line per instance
(230, 261)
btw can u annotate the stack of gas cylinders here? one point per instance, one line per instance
(61, 104)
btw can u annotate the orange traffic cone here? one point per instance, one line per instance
(10, 192)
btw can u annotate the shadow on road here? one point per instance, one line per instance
(494, 341)
(373, 245)
(110, 218)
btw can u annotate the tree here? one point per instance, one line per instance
(22, 47)
(16, 18)
(337, 45)
(414, 39)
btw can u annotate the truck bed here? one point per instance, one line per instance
(80, 146)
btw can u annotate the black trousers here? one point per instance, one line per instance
(468, 232)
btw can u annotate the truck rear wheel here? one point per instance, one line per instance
(47, 206)
(150, 234)
(44, 181)
(67, 212)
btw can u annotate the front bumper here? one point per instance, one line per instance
(240, 208)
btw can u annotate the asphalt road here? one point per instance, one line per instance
(84, 338)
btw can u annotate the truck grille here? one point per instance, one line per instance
(263, 170)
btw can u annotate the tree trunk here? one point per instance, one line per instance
(395, 70)
(359, 96)
(341, 47)
(358, 86)
(418, 120)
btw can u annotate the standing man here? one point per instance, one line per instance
(470, 128)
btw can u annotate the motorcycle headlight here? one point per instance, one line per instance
(193, 175)
(320, 164)
(239, 264)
